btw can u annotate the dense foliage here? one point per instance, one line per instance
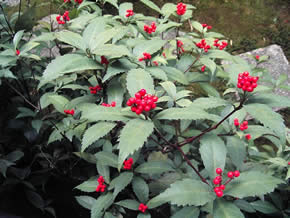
(119, 98)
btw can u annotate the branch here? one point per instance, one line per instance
(191, 139)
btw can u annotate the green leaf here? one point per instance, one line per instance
(86, 156)
(104, 170)
(7, 74)
(66, 64)
(17, 38)
(209, 103)
(271, 100)
(107, 158)
(96, 132)
(130, 204)
(140, 189)
(151, 5)
(94, 113)
(154, 167)
(119, 66)
(184, 192)
(115, 92)
(175, 75)
(187, 212)
(225, 209)
(220, 54)
(101, 204)
(213, 153)
(264, 207)
(170, 88)
(209, 89)
(59, 102)
(237, 151)
(86, 201)
(157, 73)
(112, 51)
(149, 46)
(196, 25)
(210, 64)
(142, 215)
(92, 31)
(252, 183)
(88, 186)
(132, 137)
(168, 9)
(244, 205)
(268, 118)
(120, 182)
(138, 79)
(27, 47)
(185, 114)
(71, 38)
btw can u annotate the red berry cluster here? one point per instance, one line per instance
(155, 63)
(17, 52)
(204, 25)
(101, 187)
(94, 90)
(218, 181)
(202, 44)
(113, 104)
(163, 54)
(142, 102)
(142, 208)
(146, 56)
(248, 136)
(63, 19)
(243, 126)
(289, 163)
(104, 60)
(180, 9)
(180, 46)
(71, 112)
(129, 13)
(246, 82)
(150, 29)
(79, 1)
(203, 68)
(128, 163)
(220, 46)
(257, 57)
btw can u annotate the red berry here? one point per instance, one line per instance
(138, 95)
(113, 104)
(142, 92)
(138, 112)
(147, 108)
(237, 173)
(218, 170)
(129, 103)
(230, 174)
(216, 181)
(248, 136)
(155, 98)
(222, 187)
(219, 194)
(133, 109)
(216, 189)
(150, 102)
(257, 57)
(219, 178)
(289, 163)
(17, 52)
(153, 106)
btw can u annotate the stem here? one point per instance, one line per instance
(227, 182)
(215, 126)
(197, 58)
(10, 28)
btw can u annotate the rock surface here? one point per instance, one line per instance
(10, 3)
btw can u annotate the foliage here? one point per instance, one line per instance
(168, 153)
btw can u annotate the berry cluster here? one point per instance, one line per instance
(203, 68)
(204, 25)
(101, 187)
(128, 163)
(180, 9)
(63, 19)
(218, 181)
(113, 104)
(180, 46)
(17, 52)
(104, 60)
(150, 29)
(129, 13)
(79, 1)
(220, 46)
(71, 112)
(248, 136)
(246, 82)
(243, 126)
(142, 102)
(155, 63)
(94, 90)
(257, 57)
(146, 56)
(202, 44)
(142, 208)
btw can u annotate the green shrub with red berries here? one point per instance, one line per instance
(122, 96)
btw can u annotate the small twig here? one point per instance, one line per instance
(197, 58)
(191, 139)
